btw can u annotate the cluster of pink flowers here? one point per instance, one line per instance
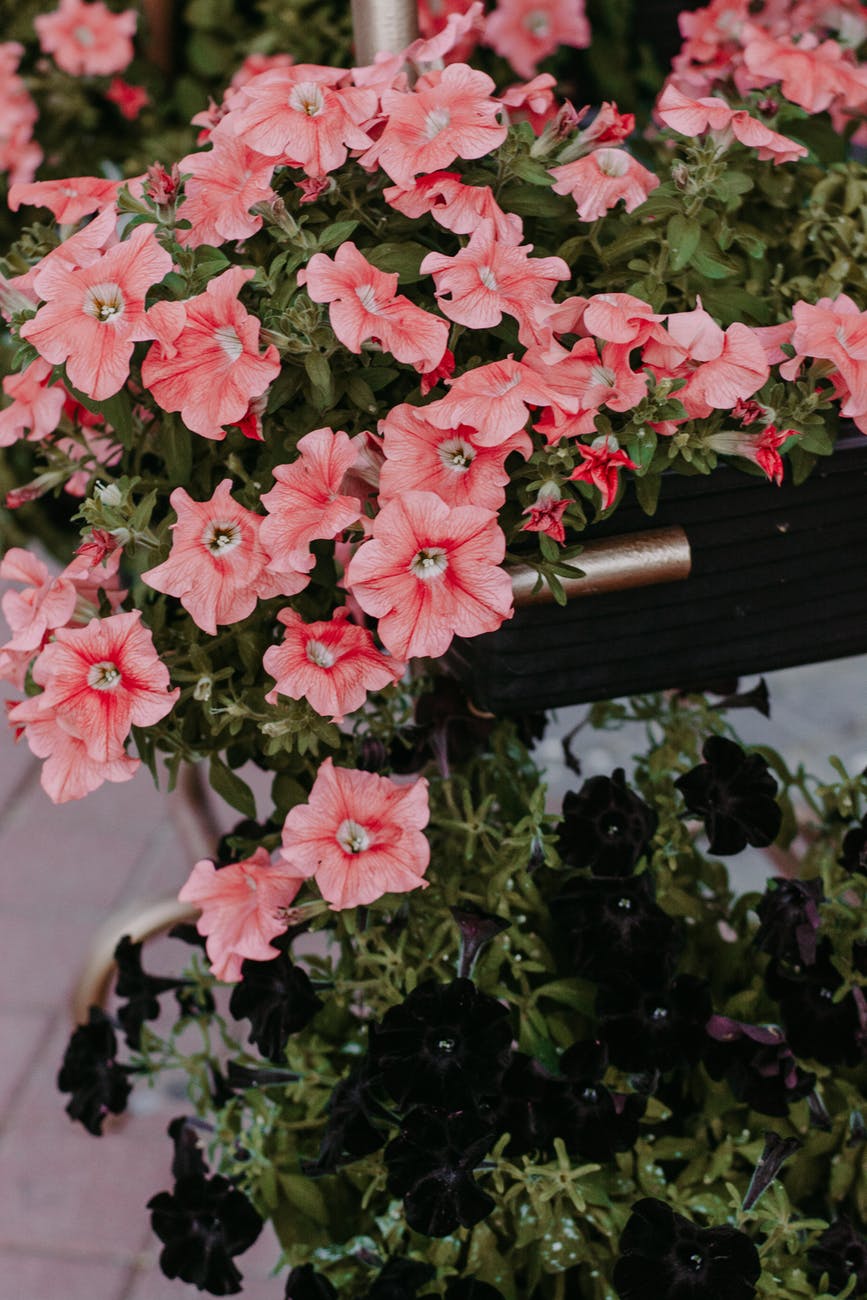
(20, 155)
(358, 837)
(785, 44)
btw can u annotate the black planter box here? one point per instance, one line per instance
(779, 577)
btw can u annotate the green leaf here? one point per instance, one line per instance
(335, 234)
(683, 235)
(116, 410)
(709, 261)
(535, 202)
(176, 446)
(305, 1195)
(647, 492)
(229, 786)
(533, 172)
(405, 258)
(319, 374)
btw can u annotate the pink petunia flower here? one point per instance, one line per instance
(94, 315)
(447, 115)
(36, 407)
(127, 98)
(20, 155)
(331, 664)
(546, 513)
(621, 318)
(243, 908)
(693, 117)
(87, 39)
(596, 381)
(833, 330)
(212, 368)
(306, 503)
(526, 31)
(359, 835)
(102, 679)
(218, 567)
(363, 306)
(599, 181)
(454, 205)
(45, 603)
(69, 199)
(532, 101)
(488, 278)
(601, 464)
(302, 117)
(430, 573)
(222, 186)
(495, 400)
(449, 461)
(70, 770)
(812, 73)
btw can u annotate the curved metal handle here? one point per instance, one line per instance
(617, 564)
(383, 26)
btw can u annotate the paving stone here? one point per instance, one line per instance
(22, 1034)
(52, 1277)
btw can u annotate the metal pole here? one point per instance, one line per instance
(383, 26)
(635, 560)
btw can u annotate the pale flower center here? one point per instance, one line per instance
(488, 279)
(537, 22)
(84, 36)
(429, 563)
(612, 162)
(307, 98)
(319, 654)
(602, 375)
(351, 837)
(221, 536)
(506, 385)
(104, 676)
(456, 454)
(435, 121)
(104, 302)
(366, 295)
(227, 337)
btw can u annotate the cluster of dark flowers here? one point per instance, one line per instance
(441, 1084)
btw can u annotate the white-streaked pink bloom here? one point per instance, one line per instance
(306, 503)
(694, 117)
(243, 907)
(211, 369)
(600, 180)
(301, 116)
(420, 456)
(86, 38)
(447, 115)
(44, 603)
(94, 315)
(360, 836)
(488, 278)
(218, 567)
(430, 573)
(495, 399)
(333, 664)
(69, 199)
(363, 305)
(454, 205)
(526, 31)
(223, 184)
(70, 770)
(36, 406)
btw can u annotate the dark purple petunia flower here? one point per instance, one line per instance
(735, 795)
(789, 915)
(90, 1072)
(840, 1252)
(757, 1063)
(277, 998)
(430, 1164)
(615, 928)
(664, 1256)
(606, 826)
(654, 1028)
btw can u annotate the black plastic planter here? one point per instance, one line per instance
(778, 578)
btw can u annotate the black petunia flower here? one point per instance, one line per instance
(664, 1256)
(734, 794)
(854, 849)
(478, 928)
(203, 1224)
(532, 1107)
(470, 1288)
(400, 1279)
(430, 1165)
(654, 1029)
(305, 1284)
(90, 1072)
(277, 998)
(614, 927)
(789, 915)
(141, 991)
(606, 826)
(840, 1252)
(757, 1063)
(816, 1026)
(445, 1045)
(352, 1111)
(600, 1122)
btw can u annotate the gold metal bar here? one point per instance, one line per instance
(383, 25)
(616, 564)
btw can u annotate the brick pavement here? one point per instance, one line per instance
(72, 1219)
